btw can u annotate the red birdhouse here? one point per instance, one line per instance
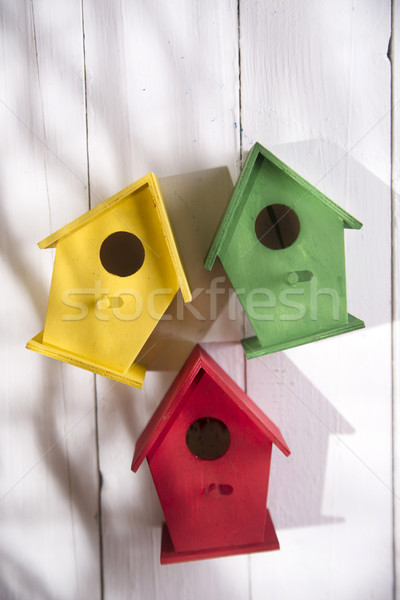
(209, 451)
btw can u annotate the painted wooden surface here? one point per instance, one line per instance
(94, 95)
(110, 286)
(277, 231)
(208, 447)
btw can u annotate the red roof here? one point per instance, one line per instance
(175, 398)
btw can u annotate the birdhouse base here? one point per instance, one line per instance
(253, 348)
(134, 376)
(169, 556)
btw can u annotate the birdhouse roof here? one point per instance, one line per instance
(174, 401)
(110, 204)
(230, 218)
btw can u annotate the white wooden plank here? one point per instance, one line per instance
(395, 60)
(315, 84)
(163, 95)
(49, 534)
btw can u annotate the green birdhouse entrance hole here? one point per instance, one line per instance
(277, 226)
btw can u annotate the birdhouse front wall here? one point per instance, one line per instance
(100, 315)
(218, 502)
(276, 307)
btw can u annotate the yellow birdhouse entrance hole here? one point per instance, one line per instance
(116, 271)
(122, 253)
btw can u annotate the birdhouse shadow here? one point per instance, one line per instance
(307, 420)
(196, 202)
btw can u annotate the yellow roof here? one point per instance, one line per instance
(148, 180)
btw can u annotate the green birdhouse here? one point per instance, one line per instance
(281, 242)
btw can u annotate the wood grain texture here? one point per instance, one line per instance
(49, 539)
(317, 93)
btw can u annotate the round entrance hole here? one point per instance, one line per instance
(122, 253)
(277, 226)
(208, 438)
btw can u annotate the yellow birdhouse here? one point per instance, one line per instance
(116, 270)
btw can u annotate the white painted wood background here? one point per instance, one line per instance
(93, 95)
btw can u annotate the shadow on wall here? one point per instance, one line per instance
(297, 483)
(196, 202)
